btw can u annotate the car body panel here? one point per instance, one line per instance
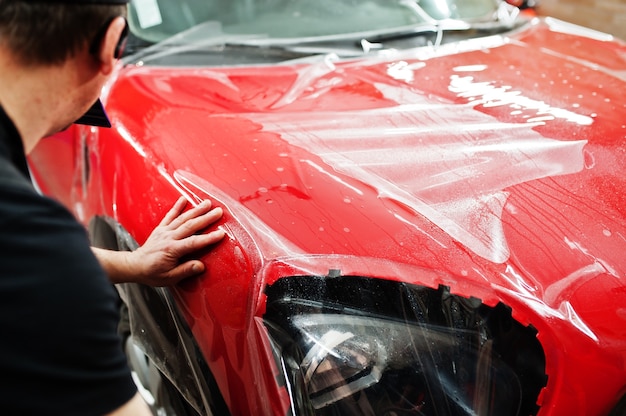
(494, 166)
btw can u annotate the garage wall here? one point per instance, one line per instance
(605, 15)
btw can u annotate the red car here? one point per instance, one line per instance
(425, 206)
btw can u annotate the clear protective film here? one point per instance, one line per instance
(432, 230)
(430, 253)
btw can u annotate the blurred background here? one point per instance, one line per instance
(604, 15)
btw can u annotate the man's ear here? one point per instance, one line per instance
(112, 44)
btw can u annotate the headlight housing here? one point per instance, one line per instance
(360, 346)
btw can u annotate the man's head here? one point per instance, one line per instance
(41, 33)
(48, 32)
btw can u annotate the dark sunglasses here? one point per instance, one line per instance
(121, 43)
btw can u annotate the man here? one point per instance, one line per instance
(59, 350)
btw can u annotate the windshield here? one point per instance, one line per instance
(228, 22)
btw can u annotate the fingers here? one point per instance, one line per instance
(175, 216)
(162, 264)
(197, 242)
(192, 268)
(174, 211)
(184, 217)
(191, 221)
(188, 269)
(181, 272)
(194, 225)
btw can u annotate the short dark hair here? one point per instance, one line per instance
(49, 33)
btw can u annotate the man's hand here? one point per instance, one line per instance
(159, 261)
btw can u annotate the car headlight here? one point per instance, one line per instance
(440, 358)
(339, 362)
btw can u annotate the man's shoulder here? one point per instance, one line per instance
(21, 203)
(36, 226)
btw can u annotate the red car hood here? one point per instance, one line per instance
(496, 150)
(498, 163)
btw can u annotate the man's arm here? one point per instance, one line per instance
(158, 262)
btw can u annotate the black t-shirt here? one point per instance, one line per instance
(59, 350)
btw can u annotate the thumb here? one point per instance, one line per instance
(187, 269)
